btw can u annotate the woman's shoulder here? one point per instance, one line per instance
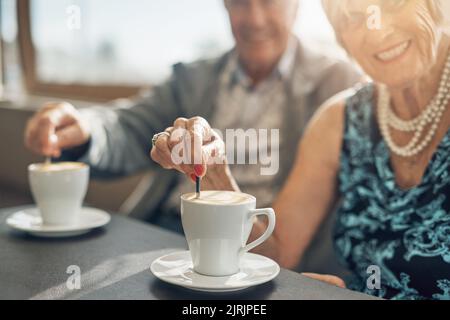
(324, 132)
(353, 104)
(328, 125)
(334, 109)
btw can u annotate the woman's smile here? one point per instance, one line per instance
(393, 53)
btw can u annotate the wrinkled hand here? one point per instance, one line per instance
(55, 127)
(190, 146)
(333, 280)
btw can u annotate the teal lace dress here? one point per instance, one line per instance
(405, 233)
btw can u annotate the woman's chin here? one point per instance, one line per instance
(399, 80)
(397, 85)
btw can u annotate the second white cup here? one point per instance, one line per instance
(59, 190)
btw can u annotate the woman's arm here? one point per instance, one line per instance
(311, 190)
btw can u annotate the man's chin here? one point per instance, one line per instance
(259, 45)
(262, 57)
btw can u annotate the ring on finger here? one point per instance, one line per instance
(158, 135)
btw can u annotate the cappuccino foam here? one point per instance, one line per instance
(219, 198)
(57, 167)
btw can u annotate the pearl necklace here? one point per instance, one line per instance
(432, 116)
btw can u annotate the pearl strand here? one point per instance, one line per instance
(432, 115)
(410, 126)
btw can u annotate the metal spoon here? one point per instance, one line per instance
(197, 187)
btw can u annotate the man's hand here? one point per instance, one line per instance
(55, 127)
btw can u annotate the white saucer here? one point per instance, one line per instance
(176, 268)
(29, 220)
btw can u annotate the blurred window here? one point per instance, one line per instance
(10, 59)
(134, 43)
(123, 42)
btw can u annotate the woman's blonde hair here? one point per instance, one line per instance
(336, 9)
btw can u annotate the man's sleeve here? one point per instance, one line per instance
(121, 135)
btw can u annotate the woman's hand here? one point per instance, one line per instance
(191, 147)
(333, 280)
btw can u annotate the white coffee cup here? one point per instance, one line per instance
(59, 190)
(217, 227)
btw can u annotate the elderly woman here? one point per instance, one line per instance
(382, 150)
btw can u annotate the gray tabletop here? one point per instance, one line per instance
(115, 264)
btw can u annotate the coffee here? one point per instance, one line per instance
(219, 198)
(55, 167)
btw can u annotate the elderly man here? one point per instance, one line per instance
(269, 80)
